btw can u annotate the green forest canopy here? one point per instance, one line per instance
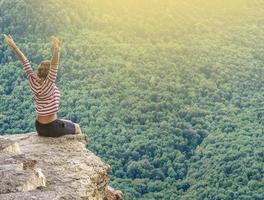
(170, 92)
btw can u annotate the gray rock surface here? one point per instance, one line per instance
(34, 167)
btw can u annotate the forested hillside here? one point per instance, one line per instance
(169, 91)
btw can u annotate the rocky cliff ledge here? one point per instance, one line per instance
(39, 168)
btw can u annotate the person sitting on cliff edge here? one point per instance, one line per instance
(45, 91)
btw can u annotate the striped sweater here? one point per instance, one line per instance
(46, 94)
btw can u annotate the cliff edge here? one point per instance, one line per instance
(34, 167)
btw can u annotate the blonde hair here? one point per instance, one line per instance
(43, 69)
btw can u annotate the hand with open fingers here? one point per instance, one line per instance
(9, 41)
(56, 43)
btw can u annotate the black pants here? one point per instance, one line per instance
(55, 128)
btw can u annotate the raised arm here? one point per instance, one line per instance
(26, 65)
(56, 44)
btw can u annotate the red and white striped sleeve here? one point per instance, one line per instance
(30, 75)
(53, 72)
(27, 68)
